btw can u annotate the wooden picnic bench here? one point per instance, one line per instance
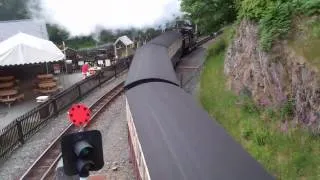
(6, 78)
(10, 96)
(47, 85)
(8, 84)
(45, 76)
(48, 91)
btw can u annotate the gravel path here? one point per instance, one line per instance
(113, 126)
(24, 156)
(191, 77)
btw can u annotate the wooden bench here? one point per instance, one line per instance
(47, 85)
(6, 78)
(8, 101)
(11, 100)
(6, 85)
(45, 76)
(46, 81)
(48, 91)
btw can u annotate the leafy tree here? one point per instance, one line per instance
(210, 15)
(81, 42)
(275, 17)
(151, 33)
(57, 34)
(107, 36)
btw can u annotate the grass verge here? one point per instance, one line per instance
(291, 155)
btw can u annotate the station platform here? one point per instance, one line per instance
(7, 115)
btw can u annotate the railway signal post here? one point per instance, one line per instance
(82, 151)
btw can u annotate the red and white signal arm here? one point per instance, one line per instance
(79, 115)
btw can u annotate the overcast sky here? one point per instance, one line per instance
(80, 17)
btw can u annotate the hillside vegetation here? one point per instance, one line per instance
(260, 54)
(286, 153)
(273, 16)
(305, 39)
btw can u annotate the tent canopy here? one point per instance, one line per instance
(26, 49)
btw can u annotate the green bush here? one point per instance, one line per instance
(222, 41)
(271, 114)
(246, 133)
(229, 33)
(287, 110)
(315, 29)
(275, 17)
(246, 130)
(218, 47)
(249, 106)
(261, 137)
(310, 7)
(275, 23)
(252, 9)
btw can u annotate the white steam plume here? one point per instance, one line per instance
(81, 17)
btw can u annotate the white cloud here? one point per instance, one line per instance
(80, 17)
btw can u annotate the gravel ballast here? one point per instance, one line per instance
(112, 124)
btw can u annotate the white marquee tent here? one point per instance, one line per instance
(26, 49)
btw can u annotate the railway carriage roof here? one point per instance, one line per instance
(180, 141)
(151, 62)
(166, 39)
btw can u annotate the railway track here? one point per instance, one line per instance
(44, 166)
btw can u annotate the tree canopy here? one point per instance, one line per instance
(210, 15)
(57, 34)
(273, 16)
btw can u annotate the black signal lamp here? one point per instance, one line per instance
(82, 152)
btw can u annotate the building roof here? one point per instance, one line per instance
(125, 40)
(35, 28)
